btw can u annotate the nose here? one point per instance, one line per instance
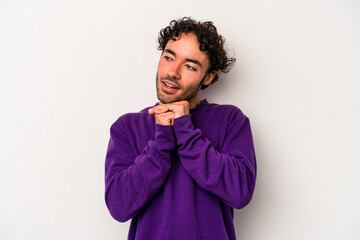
(174, 70)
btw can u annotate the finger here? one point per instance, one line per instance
(163, 109)
(156, 109)
(165, 115)
(174, 107)
(164, 118)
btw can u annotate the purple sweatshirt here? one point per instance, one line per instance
(180, 181)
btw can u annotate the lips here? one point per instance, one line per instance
(169, 87)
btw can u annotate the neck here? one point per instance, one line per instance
(193, 103)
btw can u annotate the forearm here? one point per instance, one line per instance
(229, 174)
(131, 183)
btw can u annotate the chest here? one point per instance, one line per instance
(144, 131)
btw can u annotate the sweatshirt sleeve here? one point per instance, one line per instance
(229, 174)
(132, 181)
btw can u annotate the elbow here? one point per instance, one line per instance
(117, 206)
(244, 196)
(120, 217)
(119, 213)
(118, 210)
(242, 201)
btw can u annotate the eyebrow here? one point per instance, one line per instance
(187, 59)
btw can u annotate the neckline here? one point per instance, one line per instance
(201, 105)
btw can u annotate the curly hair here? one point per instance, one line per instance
(210, 42)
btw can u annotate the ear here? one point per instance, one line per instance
(209, 78)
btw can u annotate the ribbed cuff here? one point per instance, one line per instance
(165, 137)
(183, 128)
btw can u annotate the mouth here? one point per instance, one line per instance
(169, 87)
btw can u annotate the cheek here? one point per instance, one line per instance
(193, 78)
(161, 66)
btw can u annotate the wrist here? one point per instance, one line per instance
(165, 136)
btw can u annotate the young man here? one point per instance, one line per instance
(180, 167)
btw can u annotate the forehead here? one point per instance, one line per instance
(187, 46)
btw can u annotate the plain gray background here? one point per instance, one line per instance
(69, 69)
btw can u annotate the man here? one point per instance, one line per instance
(180, 167)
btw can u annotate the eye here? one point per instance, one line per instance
(190, 67)
(167, 58)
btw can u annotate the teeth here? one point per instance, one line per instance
(169, 85)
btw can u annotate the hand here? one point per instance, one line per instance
(164, 118)
(177, 109)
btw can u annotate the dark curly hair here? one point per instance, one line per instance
(210, 42)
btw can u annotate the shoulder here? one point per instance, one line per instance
(132, 119)
(226, 111)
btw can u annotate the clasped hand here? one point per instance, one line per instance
(166, 113)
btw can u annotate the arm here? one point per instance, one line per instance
(229, 174)
(132, 181)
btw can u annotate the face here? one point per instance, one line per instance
(182, 70)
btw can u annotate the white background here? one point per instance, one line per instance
(69, 69)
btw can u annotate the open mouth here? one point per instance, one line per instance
(169, 87)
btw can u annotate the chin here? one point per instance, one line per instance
(163, 99)
(166, 98)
